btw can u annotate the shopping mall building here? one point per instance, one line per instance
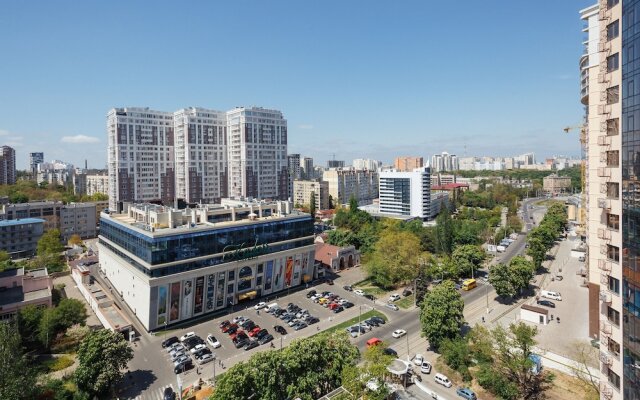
(172, 265)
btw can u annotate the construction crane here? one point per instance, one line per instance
(583, 170)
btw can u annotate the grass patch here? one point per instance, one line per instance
(58, 364)
(374, 290)
(353, 321)
(406, 302)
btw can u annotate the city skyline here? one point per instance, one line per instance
(413, 97)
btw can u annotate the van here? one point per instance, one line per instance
(442, 380)
(469, 284)
(271, 307)
(551, 295)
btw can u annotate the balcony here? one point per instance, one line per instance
(604, 234)
(604, 279)
(604, 203)
(605, 328)
(605, 359)
(604, 140)
(604, 265)
(605, 296)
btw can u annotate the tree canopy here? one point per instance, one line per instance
(441, 314)
(17, 380)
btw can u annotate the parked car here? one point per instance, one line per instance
(347, 304)
(394, 297)
(251, 345)
(311, 293)
(260, 305)
(466, 393)
(238, 319)
(265, 339)
(168, 393)
(300, 325)
(198, 347)
(293, 322)
(254, 331)
(425, 368)
(418, 359)
(358, 292)
(348, 288)
(378, 319)
(170, 341)
(442, 380)
(213, 342)
(370, 297)
(261, 333)
(178, 355)
(182, 359)
(329, 281)
(406, 292)
(245, 323)
(174, 346)
(392, 306)
(206, 359)
(280, 329)
(338, 309)
(241, 343)
(201, 353)
(390, 352)
(187, 336)
(224, 323)
(181, 367)
(398, 333)
(546, 303)
(227, 328)
(312, 320)
(193, 342)
(371, 322)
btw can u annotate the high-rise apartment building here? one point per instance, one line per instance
(295, 166)
(257, 153)
(34, 160)
(335, 164)
(608, 91)
(302, 193)
(366, 163)
(140, 156)
(444, 162)
(7, 165)
(406, 194)
(307, 168)
(200, 153)
(408, 163)
(347, 182)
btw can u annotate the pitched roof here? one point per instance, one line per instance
(325, 252)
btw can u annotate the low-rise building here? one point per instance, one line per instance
(20, 288)
(439, 200)
(302, 193)
(20, 237)
(336, 258)
(554, 184)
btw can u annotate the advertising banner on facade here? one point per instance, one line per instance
(296, 270)
(288, 273)
(162, 304)
(211, 285)
(199, 296)
(174, 310)
(187, 298)
(278, 280)
(305, 263)
(268, 277)
(220, 291)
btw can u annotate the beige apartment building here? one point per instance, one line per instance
(554, 184)
(302, 193)
(347, 182)
(612, 201)
(407, 163)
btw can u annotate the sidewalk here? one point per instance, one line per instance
(72, 292)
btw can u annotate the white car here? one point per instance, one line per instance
(206, 358)
(418, 359)
(213, 341)
(399, 333)
(187, 336)
(198, 347)
(239, 319)
(358, 292)
(174, 347)
(260, 305)
(394, 297)
(425, 368)
(392, 306)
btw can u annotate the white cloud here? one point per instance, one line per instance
(305, 126)
(80, 139)
(4, 132)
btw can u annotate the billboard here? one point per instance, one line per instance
(162, 304)
(174, 310)
(268, 277)
(211, 284)
(296, 270)
(288, 273)
(278, 279)
(199, 295)
(187, 298)
(220, 291)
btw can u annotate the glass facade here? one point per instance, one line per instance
(188, 245)
(631, 198)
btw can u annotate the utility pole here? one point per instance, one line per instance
(408, 356)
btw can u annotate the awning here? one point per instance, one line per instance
(248, 295)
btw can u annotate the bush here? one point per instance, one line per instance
(59, 363)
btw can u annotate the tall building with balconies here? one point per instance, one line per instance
(407, 163)
(7, 165)
(35, 159)
(612, 142)
(140, 156)
(200, 152)
(257, 153)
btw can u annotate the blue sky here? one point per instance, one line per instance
(361, 79)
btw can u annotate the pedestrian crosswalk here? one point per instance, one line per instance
(156, 394)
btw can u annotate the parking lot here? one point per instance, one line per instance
(153, 369)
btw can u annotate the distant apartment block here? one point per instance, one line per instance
(257, 153)
(308, 171)
(444, 162)
(7, 165)
(347, 182)
(200, 155)
(554, 184)
(295, 166)
(302, 193)
(407, 163)
(78, 219)
(140, 156)
(20, 288)
(49, 211)
(406, 194)
(35, 159)
(335, 164)
(97, 184)
(439, 200)
(366, 163)
(20, 238)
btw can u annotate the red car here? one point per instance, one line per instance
(333, 306)
(230, 327)
(255, 331)
(224, 323)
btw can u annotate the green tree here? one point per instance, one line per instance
(102, 356)
(29, 318)
(353, 204)
(441, 314)
(500, 279)
(312, 205)
(17, 380)
(75, 239)
(50, 243)
(468, 258)
(4, 256)
(537, 250)
(521, 271)
(331, 205)
(69, 312)
(47, 327)
(394, 258)
(444, 231)
(457, 355)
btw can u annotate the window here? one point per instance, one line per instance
(613, 94)
(232, 275)
(611, 3)
(613, 30)
(613, 158)
(614, 347)
(613, 190)
(613, 221)
(613, 316)
(614, 285)
(614, 379)
(613, 253)
(613, 63)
